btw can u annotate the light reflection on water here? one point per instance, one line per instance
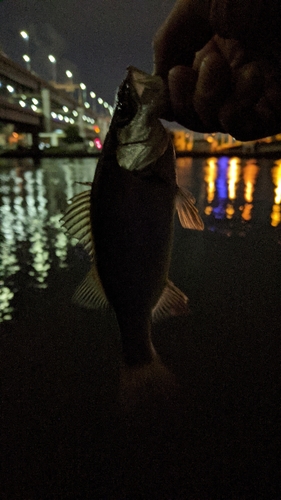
(234, 189)
(33, 198)
(31, 237)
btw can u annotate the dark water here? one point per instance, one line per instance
(64, 435)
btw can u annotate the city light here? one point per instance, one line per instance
(53, 60)
(87, 105)
(22, 103)
(24, 35)
(83, 86)
(10, 89)
(100, 100)
(26, 56)
(65, 109)
(35, 101)
(98, 143)
(68, 74)
(92, 94)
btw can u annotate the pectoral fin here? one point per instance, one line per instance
(172, 302)
(187, 211)
(90, 293)
(77, 221)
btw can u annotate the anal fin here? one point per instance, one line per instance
(173, 302)
(90, 293)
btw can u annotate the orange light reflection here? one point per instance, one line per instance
(233, 176)
(250, 173)
(210, 175)
(276, 177)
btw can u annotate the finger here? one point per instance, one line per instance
(254, 22)
(248, 123)
(249, 84)
(232, 51)
(185, 31)
(272, 94)
(237, 19)
(201, 54)
(182, 81)
(213, 85)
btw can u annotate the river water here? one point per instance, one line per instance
(63, 434)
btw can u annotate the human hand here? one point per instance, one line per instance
(222, 63)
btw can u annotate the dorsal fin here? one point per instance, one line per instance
(90, 292)
(173, 302)
(187, 211)
(77, 221)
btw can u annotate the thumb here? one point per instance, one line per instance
(185, 31)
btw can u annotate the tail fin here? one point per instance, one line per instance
(146, 384)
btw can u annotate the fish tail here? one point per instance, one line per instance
(145, 384)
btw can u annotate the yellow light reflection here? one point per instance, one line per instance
(276, 177)
(250, 173)
(275, 215)
(229, 211)
(247, 211)
(233, 176)
(210, 175)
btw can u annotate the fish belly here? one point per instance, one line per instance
(132, 221)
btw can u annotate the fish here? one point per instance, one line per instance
(125, 221)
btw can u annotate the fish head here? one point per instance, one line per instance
(141, 138)
(139, 90)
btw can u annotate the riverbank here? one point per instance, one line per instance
(261, 151)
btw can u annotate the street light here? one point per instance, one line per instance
(26, 58)
(25, 36)
(93, 96)
(84, 91)
(53, 60)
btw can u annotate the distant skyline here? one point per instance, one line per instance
(95, 39)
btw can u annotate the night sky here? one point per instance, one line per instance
(95, 39)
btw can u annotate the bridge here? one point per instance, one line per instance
(36, 106)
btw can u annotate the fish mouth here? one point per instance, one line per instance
(138, 89)
(150, 89)
(126, 106)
